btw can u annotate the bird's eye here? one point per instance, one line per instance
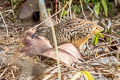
(96, 28)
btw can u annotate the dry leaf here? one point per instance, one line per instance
(36, 45)
(64, 56)
(71, 49)
(39, 45)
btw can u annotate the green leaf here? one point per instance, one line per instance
(118, 33)
(100, 34)
(95, 39)
(108, 39)
(87, 1)
(94, 1)
(105, 7)
(64, 13)
(76, 8)
(110, 30)
(21, 44)
(97, 8)
(88, 75)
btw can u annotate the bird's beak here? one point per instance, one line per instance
(34, 35)
(33, 31)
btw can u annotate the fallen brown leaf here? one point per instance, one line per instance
(39, 45)
(36, 45)
(64, 56)
(71, 49)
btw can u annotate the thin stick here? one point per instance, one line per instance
(70, 9)
(113, 52)
(56, 47)
(53, 33)
(4, 23)
(83, 10)
(3, 73)
(50, 17)
(92, 12)
(13, 74)
(56, 9)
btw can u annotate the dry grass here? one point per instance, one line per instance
(102, 61)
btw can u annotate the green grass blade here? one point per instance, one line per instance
(105, 7)
(97, 8)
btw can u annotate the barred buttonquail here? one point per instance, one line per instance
(76, 31)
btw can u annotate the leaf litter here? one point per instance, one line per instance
(102, 60)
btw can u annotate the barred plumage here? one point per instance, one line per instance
(76, 31)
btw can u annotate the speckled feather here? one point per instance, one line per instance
(76, 31)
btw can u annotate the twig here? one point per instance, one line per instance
(83, 10)
(89, 7)
(56, 9)
(50, 17)
(107, 54)
(92, 12)
(70, 8)
(114, 37)
(117, 44)
(4, 23)
(8, 11)
(41, 2)
(13, 74)
(56, 48)
(3, 73)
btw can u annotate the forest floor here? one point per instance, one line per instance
(104, 65)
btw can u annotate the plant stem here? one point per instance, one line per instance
(44, 15)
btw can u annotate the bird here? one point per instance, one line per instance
(76, 31)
